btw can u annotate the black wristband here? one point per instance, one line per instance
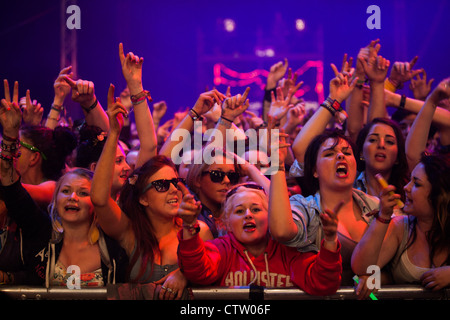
(402, 102)
(268, 94)
(91, 107)
(226, 119)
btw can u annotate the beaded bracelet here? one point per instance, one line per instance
(376, 215)
(12, 148)
(10, 158)
(382, 220)
(193, 228)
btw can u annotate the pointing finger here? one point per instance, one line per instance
(71, 83)
(413, 61)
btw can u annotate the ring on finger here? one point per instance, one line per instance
(169, 290)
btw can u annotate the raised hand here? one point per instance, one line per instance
(206, 101)
(441, 92)
(276, 73)
(363, 55)
(376, 68)
(189, 209)
(280, 105)
(234, 106)
(10, 114)
(388, 200)
(290, 82)
(159, 110)
(131, 69)
(420, 87)
(330, 222)
(347, 66)
(61, 87)
(340, 86)
(402, 72)
(83, 91)
(116, 112)
(282, 146)
(32, 110)
(295, 116)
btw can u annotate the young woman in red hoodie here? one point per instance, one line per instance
(248, 255)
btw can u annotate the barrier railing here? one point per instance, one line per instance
(404, 292)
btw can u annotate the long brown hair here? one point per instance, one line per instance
(144, 231)
(437, 169)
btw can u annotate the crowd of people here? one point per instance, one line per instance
(363, 180)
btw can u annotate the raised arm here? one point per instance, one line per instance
(132, 72)
(381, 240)
(340, 89)
(203, 104)
(62, 89)
(10, 119)
(376, 68)
(83, 92)
(417, 138)
(420, 87)
(441, 116)
(110, 217)
(355, 106)
(32, 111)
(232, 108)
(281, 223)
(402, 72)
(276, 73)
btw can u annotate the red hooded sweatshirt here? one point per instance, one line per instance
(225, 262)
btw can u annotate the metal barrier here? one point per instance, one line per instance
(404, 292)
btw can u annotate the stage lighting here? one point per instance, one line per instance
(229, 25)
(300, 24)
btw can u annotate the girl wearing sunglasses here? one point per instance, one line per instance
(210, 184)
(144, 221)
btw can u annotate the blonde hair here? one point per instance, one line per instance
(58, 230)
(240, 188)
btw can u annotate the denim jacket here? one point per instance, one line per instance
(305, 212)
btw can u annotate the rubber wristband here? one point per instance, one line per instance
(402, 102)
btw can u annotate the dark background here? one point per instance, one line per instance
(181, 41)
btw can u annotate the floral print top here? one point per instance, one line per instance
(90, 279)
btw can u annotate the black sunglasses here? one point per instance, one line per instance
(163, 185)
(247, 185)
(218, 176)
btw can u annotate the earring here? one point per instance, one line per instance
(93, 233)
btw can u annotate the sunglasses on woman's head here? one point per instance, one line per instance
(218, 176)
(247, 185)
(162, 185)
